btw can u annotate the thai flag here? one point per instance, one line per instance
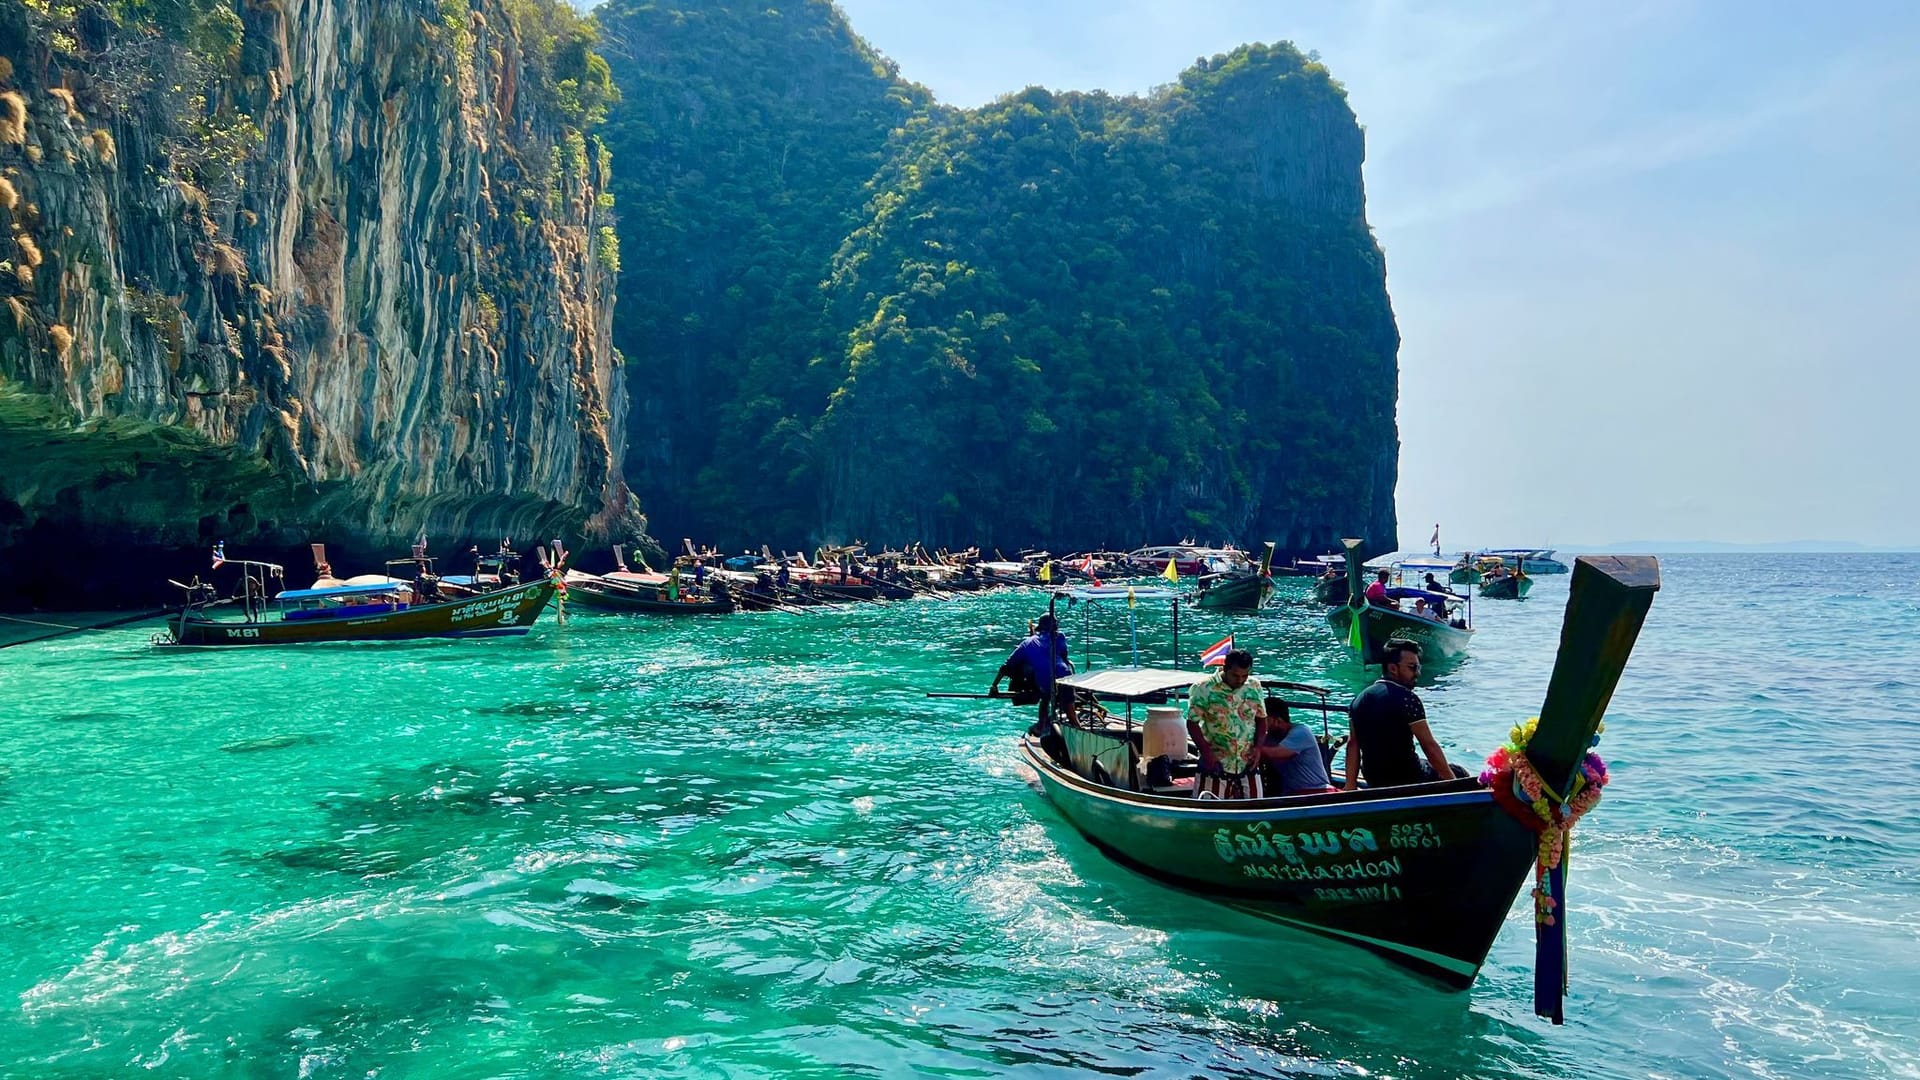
(219, 554)
(1217, 652)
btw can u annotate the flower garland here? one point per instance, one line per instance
(559, 579)
(1517, 784)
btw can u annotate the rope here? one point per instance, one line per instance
(63, 629)
(36, 622)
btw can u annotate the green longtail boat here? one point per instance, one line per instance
(1239, 592)
(1366, 627)
(1423, 874)
(1511, 587)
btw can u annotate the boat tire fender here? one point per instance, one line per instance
(1100, 774)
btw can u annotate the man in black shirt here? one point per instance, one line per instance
(1387, 718)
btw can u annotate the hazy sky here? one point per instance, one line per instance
(1653, 263)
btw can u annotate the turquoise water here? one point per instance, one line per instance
(751, 846)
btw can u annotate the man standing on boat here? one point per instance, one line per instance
(1033, 672)
(1226, 716)
(1388, 718)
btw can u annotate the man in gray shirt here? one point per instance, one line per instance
(1293, 754)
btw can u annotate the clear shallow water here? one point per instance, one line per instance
(750, 846)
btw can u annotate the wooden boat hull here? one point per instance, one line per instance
(509, 612)
(1507, 588)
(891, 590)
(755, 601)
(1438, 641)
(1237, 594)
(1423, 875)
(1463, 576)
(833, 592)
(634, 601)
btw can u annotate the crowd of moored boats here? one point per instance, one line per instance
(1423, 874)
(410, 598)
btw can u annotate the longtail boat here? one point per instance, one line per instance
(626, 591)
(1423, 874)
(490, 573)
(345, 612)
(602, 594)
(1466, 571)
(1513, 586)
(1239, 591)
(1366, 627)
(1330, 587)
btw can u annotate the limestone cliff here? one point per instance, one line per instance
(304, 269)
(1073, 319)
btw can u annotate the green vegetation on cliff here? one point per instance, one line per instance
(1069, 317)
(745, 138)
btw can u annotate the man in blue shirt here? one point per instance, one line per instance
(1033, 673)
(1035, 664)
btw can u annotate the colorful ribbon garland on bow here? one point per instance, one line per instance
(559, 579)
(1517, 786)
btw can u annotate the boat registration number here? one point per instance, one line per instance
(1418, 834)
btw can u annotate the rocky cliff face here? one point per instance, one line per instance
(304, 269)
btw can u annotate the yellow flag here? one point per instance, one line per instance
(1171, 573)
(1130, 600)
(1046, 571)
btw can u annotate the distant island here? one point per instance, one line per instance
(1689, 547)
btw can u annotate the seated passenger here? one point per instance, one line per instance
(1377, 592)
(1388, 721)
(1292, 755)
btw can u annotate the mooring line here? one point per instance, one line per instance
(62, 629)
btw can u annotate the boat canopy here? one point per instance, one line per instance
(340, 591)
(1429, 565)
(1120, 592)
(1404, 592)
(1133, 684)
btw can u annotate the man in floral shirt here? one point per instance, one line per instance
(1226, 715)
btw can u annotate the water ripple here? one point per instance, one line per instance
(753, 847)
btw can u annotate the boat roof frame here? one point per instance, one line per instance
(1132, 684)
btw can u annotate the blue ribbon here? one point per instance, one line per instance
(1550, 950)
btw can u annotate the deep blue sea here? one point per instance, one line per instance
(751, 846)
